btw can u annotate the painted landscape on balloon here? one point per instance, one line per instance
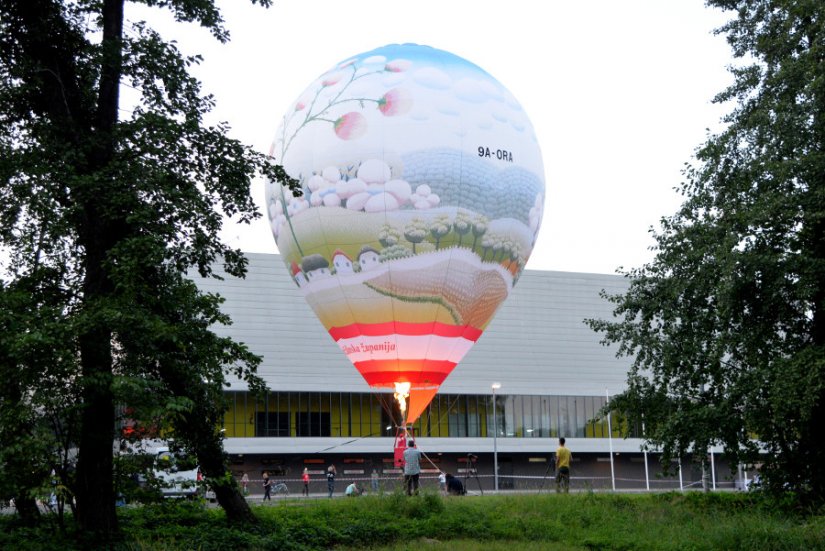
(391, 257)
(422, 190)
(449, 286)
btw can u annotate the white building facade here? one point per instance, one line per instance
(553, 371)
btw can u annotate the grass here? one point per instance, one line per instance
(690, 521)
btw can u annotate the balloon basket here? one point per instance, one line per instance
(402, 435)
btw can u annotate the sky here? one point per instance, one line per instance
(618, 93)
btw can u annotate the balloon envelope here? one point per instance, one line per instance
(423, 190)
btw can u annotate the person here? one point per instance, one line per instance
(442, 482)
(331, 472)
(374, 480)
(353, 490)
(305, 479)
(245, 484)
(267, 484)
(563, 457)
(454, 486)
(412, 467)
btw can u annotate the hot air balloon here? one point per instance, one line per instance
(423, 189)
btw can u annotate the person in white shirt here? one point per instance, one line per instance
(412, 467)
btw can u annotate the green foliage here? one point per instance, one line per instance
(103, 212)
(394, 521)
(726, 326)
(427, 504)
(394, 252)
(38, 416)
(129, 470)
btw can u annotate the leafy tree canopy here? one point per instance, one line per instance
(727, 324)
(104, 208)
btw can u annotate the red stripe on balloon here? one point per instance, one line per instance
(416, 372)
(404, 328)
(415, 378)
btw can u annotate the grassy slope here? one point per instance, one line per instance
(585, 521)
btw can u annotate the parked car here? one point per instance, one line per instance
(178, 475)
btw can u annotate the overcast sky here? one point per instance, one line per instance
(619, 94)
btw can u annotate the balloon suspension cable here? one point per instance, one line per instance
(349, 442)
(427, 457)
(402, 392)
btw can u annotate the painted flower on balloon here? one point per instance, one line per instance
(350, 126)
(395, 102)
(332, 93)
(353, 125)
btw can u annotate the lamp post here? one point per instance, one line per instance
(495, 386)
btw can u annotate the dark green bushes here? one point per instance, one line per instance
(584, 521)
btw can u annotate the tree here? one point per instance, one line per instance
(726, 325)
(439, 228)
(415, 232)
(121, 210)
(36, 412)
(462, 225)
(480, 224)
(388, 236)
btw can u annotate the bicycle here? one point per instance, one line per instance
(280, 488)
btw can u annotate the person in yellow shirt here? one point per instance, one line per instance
(563, 457)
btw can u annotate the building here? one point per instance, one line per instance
(554, 376)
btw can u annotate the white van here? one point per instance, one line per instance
(177, 476)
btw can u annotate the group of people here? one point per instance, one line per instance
(448, 484)
(267, 483)
(451, 485)
(354, 489)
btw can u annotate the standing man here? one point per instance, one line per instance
(267, 484)
(331, 472)
(305, 480)
(563, 457)
(374, 479)
(245, 484)
(412, 467)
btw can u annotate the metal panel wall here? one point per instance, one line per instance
(536, 344)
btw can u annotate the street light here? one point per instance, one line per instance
(495, 386)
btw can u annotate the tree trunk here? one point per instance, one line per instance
(812, 441)
(27, 509)
(201, 429)
(95, 491)
(227, 492)
(98, 231)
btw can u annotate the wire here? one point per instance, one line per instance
(347, 442)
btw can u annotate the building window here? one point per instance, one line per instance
(310, 423)
(304, 414)
(274, 423)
